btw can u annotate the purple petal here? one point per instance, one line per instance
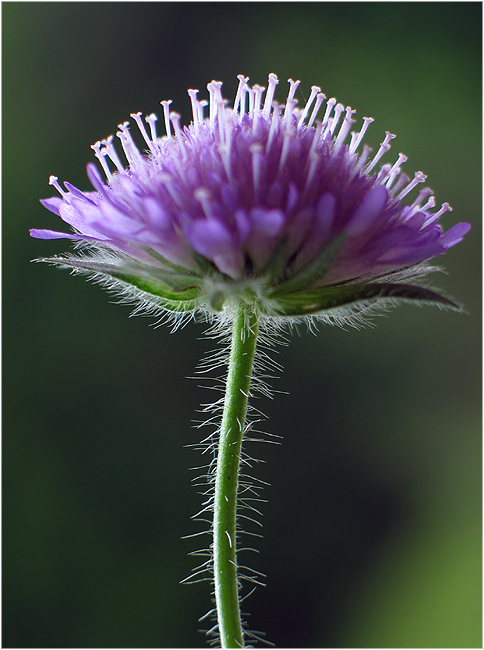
(48, 234)
(95, 178)
(267, 222)
(80, 195)
(367, 212)
(455, 234)
(53, 204)
(209, 238)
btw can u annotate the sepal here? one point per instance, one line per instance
(310, 302)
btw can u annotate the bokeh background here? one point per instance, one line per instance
(372, 529)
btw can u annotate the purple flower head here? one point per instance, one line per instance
(272, 205)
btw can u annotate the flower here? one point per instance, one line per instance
(260, 204)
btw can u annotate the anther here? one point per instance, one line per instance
(271, 89)
(166, 110)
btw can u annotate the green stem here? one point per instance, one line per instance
(244, 338)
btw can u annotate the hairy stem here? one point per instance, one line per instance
(244, 338)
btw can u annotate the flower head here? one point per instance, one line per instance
(261, 203)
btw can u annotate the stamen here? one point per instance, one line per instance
(384, 147)
(242, 82)
(203, 196)
(192, 93)
(258, 90)
(243, 92)
(399, 184)
(292, 89)
(415, 207)
(314, 91)
(418, 178)
(362, 160)
(166, 110)
(329, 107)
(256, 151)
(424, 192)
(358, 138)
(151, 120)
(285, 149)
(316, 139)
(435, 217)
(214, 88)
(112, 153)
(221, 120)
(392, 176)
(274, 122)
(339, 108)
(141, 127)
(345, 128)
(430, 204)
(271, 89)
(290, 106)
(129, 146)
(383, 172)
(320, 97)
(224, 151)
(175, 120)
(394, 171)
(251, 100)
(98, 152)
(201, 105)
(314, 159)
(54, 181)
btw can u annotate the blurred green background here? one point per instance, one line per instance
(372, 530)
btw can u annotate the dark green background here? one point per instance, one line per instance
(372, 526)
